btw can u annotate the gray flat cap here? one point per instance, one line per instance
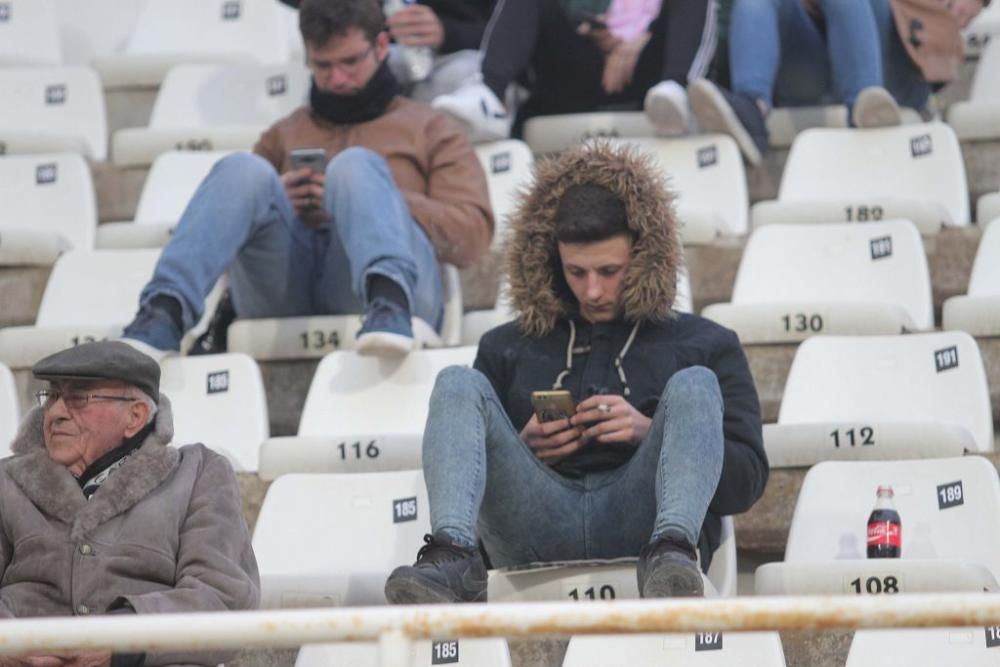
(103, 360)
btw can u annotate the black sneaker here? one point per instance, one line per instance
(719, 110)
(668, 568)
(215, 340)
(444, 572)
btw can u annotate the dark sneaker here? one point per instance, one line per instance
(668, 568)
(444, 572)
(719, 110)
(386, 331)
(153, 332)
(215, 340)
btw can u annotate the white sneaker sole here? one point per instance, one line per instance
(154, 353)
(665, 113)
(383, 344)
(715, 115)
(875, 107)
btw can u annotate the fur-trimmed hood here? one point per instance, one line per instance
(650, 283)
(52, 487)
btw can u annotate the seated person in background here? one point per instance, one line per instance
(452, 29)
(585, 55)
(402, 190)
(810, 52)
(666, 434)
(101, 515)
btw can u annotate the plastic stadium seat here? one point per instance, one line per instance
(882, 397)
(172, 32)
(331, 540)
(988, 208)
(979, 116)
(603, 579)
(94, 28)
(761, 649)
(785, 123)
(471, 652)
(362, 414)
(90, 295)
(314, 336)
(213, 107)
(507, 165)
(925, 647)
(912, 172)
(48, 207)
(984, 28)
(795, 281)
(169, 186)
(29, 33)
(950, 514)
(218, 400)
(550, 134)
(52, 109)
(978, 312)
(706, 174)
(10, 410)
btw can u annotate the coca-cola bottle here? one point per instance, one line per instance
(885, 533)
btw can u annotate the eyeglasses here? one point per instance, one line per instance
(348, 64)
(75, 400)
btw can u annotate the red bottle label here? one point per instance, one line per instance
(884, 532)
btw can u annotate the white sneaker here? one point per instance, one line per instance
(667, 108)
(154, 353)
(475, 105)
(875, 107)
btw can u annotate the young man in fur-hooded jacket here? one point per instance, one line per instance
(666, 436)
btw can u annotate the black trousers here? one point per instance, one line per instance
(535, 43)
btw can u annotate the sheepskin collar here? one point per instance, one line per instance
(650, 284)
(56, 492)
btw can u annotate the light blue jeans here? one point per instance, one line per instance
(480, 474)
(779, 54)
(241, 220)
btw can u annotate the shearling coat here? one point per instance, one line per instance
(165, 532)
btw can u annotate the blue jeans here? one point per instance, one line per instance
(480, 473)
(780, 55)
(241, 220)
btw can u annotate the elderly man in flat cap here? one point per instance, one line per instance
(99, 515)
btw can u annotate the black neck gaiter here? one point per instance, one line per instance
(368, 103)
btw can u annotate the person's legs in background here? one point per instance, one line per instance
(901, 77)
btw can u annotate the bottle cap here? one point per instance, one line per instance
(884, 490)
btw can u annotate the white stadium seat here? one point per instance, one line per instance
(29, 33)
(911, 172)
(507, 165)
(950, 516)
(52, 109)
(925, 647)
(785, 123)
(978, 117)
(169, 186)
(332, 540)
(978, 312)
(882, 397)
(95, 28)
(707, 177)
(471, 652)
(10, 410)
(172, 32)
(550, 134)
(362, 414)
(48, 207)
(983, 29)
(796, 281)
(218, 400)
(213, 107)
(603, 579)
(696, 649)
(988, 208)
(269, 339)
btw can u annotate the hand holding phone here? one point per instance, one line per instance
(304, 184)
(549, 433)
(313, 159)
(553, 405)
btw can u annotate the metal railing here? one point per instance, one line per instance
(395, 627)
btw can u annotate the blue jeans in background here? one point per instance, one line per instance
(480, 474)
(241, 221)
(779, 54)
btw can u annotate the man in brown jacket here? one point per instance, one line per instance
(402, 190)
(100, 515)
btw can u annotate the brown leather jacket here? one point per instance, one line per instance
(932, 37)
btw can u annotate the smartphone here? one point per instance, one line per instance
(312, 158)
(553, 405)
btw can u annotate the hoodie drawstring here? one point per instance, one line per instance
(618, 359)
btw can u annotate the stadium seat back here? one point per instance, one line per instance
(49, 193)
(927, 377)
(916, 162)
(29, 33)
(925, 647)
(325, 540)
(985, 278)
(10, 411)
(762, 649)
(95, 28)
(218, 400)
(171, 183)
(507, 165)
(471, 652)
(549, 134)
